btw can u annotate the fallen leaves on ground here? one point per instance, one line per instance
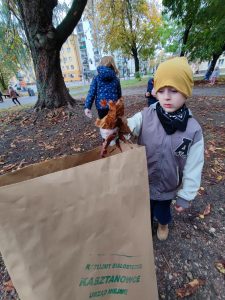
(46, 135)
(8, 286)
(189, 288)
(206, 212)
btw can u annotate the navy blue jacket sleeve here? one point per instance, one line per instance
(150, 86)
(91, 94)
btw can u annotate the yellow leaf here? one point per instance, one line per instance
(220, 267)
(219, 177)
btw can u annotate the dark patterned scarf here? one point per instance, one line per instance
(172, 122)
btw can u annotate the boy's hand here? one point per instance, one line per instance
(179, 208)
(147, 94)
(88, 113)
(153, 92)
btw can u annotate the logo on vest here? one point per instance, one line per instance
(182, 149)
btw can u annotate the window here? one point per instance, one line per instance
(72, 67)
(221, 61)
(68, 49)
(67, 67)
(65, 60)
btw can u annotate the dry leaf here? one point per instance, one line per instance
(189, 288)
(201, 191)
(76, 149)
(21, 164)
(8, 286)
(205, 212)
(220, 267)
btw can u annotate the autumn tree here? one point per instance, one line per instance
(45, 42)
(130, 26)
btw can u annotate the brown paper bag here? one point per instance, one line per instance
(80, 233)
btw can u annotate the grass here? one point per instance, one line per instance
(15, 108)
(83, 89)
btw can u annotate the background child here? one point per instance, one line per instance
(13, 96)
(150, 95)
(215, 75)
(173, 140)
(106, 85)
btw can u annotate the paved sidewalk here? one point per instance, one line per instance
(197, 91)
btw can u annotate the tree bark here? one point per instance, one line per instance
(136, 59)
(211, 66)
(185, 39)
(45, 43)
(52, 91)
(213, 63)
(2, 82)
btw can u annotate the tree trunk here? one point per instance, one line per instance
(52, 91)
(213, 63)
(45, 43)
(136, 59)
(185, 39)
(2, 82)
(211, 66)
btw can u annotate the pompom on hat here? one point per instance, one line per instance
(177, 73)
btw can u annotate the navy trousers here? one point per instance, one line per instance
(161, 211)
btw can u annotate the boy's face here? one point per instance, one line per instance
(170, 99)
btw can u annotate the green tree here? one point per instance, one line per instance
(130, 26)
(185, 12)
(169, 35)
(207, 39)
(12, 50)
(45, 42)
(203, 23)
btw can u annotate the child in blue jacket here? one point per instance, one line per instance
(149, 94)
(104, 86)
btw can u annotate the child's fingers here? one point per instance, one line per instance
(179, 208)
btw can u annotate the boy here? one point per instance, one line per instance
(173, 140)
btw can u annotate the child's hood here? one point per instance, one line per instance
(106, 73)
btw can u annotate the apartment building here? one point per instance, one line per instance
(70, 60)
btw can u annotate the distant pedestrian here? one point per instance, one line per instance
(150, 94)
(1, 99)
(13, 95)
(214, 76)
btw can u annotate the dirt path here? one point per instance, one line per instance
(195, 244)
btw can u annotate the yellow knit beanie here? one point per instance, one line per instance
(177, 73)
